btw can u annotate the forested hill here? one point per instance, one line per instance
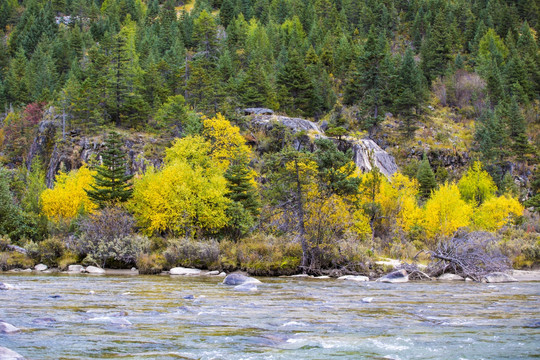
(455, 83)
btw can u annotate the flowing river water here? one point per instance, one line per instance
(161, 317)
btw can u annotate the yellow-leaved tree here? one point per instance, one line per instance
(399, 206)
(445, 212)
(227, 144)
(476, 186)
(185, 197)
(68, 197)
(496, 212)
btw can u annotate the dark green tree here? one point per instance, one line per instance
(335, 169)
(518, 131)
(112, 180)
(426, 178)
(436, 48)
(409, 86)
(296, 89)
(245, 207)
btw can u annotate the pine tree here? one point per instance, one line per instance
(435, 50)
(227, 12)
(296, 87)
(112, 181)
(518, 131)
(426, 178)
(374, 76)
(409, 93)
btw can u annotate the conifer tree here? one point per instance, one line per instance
(245, 206)
(409, 92)
(297, 88)
(111, 181)
(518, 131)
(426, 178)
(435, 50)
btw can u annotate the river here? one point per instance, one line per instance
(161, 317)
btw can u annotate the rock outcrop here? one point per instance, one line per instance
(363, 149)
(78, 149)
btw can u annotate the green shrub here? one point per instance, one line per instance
(15, 260)
(124, 250)
(4, 242)
(69, 258)
(50, 251)
(150, 263)
(187, 252)
(262, 254)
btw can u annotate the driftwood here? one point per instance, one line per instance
(470, 255)
(414, 272)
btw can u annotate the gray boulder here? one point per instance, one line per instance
(498, 277)
(5, 286)
(399, 276)
(184, 271)
(6, 328)
(450, 277)
(40, 267)
(75, 268)
(8, 354)
(94, 270)
(239, 279)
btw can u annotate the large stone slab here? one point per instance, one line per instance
(498, 277)
(95, 270)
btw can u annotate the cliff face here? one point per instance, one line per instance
(363, 149)
(77, 149)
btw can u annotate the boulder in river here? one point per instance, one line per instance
(94, 270)
(5, 286)
(6, 328)
(239, 279)
(399, 276)
(358, 278)
(450, 277)
(75, 268)
(8, 354)
(498, 277)
(40, 267)
(184, 271)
